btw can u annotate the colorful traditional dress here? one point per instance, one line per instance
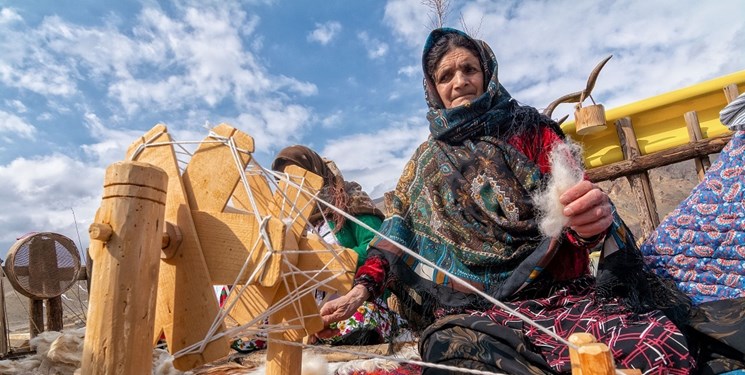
(464, 203)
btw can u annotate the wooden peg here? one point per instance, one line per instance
(171, 240)
(100, 231)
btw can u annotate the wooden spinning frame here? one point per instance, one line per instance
(161, 239)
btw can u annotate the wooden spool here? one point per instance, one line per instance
(590, 119)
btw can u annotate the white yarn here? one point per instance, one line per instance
(566, 171)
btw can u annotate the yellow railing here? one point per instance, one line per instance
(659, 121)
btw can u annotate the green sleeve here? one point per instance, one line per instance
(356, 237)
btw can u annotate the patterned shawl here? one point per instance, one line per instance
(346, 195)
(463, 200)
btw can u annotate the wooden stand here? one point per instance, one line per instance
(125, 260)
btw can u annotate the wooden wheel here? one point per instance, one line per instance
(220, 225)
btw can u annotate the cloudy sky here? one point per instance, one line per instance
(79, 81)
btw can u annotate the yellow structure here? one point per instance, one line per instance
(659, 121)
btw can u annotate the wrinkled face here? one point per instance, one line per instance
(458, 78)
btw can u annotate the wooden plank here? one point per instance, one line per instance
(658, 159)
(260, 192)
(186, 303)
(212, 173)
(343, 264)
(294, 205)
(227, 241)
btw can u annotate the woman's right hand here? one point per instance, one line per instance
(341, 308)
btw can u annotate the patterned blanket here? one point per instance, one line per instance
(701, 244)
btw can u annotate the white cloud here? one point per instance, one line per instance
(332, 120)
(17, 105)
(168, 62)
(40, 193)
(410, 70)
(547, 49)
(375, 48)
(376, 160)
(8, 15)
(324, 33)
(409, 20)
(11, 125)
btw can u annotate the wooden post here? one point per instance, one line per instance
(694, 134)
(731, 92)
(3, 317)
(55, 321)
(36, 317)
(121, 313)
(640, 184)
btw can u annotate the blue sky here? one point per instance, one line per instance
(79, 81)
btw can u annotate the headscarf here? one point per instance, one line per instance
(733, 115)
(463, 200)
(345, 195)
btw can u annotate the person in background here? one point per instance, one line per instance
(464, 202)
(372, 322)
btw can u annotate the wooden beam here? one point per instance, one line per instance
(658, 159)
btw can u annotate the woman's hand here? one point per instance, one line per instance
(588, 209)
(341, 308)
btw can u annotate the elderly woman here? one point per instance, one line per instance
(464, 203)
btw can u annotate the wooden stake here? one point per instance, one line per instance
(55, 314)
(640, 184)
(694, 134)
(118, 337)
(731, 92)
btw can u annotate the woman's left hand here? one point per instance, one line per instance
(588, 209)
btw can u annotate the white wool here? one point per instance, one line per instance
(370, 365)
(61, 353)
(313, 364)
(566, 171)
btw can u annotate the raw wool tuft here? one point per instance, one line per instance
(61, 353)
(409, 352)
(566, 171)
(313, 364)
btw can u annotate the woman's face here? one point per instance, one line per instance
(458, 77)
